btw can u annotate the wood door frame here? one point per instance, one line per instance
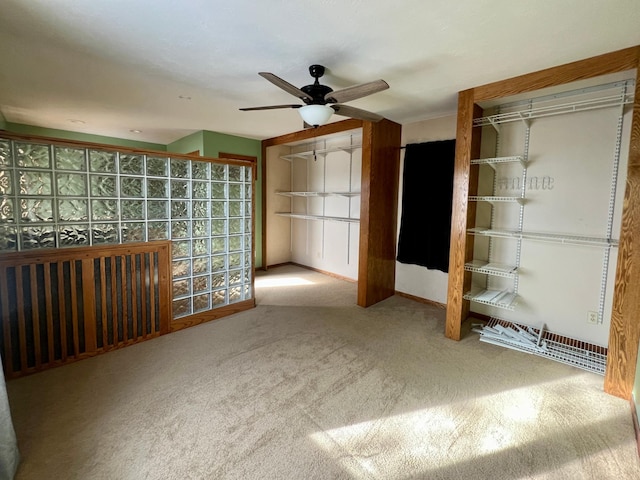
(248, 158)
(624, 334)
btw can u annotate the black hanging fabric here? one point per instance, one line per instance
(427, 193)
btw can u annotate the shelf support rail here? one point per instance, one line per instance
(494, 124)
(488, 282)
(612, 204)
(324, 199)
(523, 192)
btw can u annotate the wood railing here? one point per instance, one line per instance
(59, 306)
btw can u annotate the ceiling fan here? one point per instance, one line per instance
(321, 101)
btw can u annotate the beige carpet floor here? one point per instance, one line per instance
(310, 386)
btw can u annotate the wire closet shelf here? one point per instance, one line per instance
(543, 343)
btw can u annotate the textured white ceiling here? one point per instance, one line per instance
(120, 65)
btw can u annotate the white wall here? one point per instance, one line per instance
(278, 232)
(413, 279)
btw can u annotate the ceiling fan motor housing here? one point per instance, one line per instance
(316, 91)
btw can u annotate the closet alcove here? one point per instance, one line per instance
(624, 305)
(370, 164)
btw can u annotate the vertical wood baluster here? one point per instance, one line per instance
(152, 292)
(35, 315)
(74, 307)
(22, 331)
(125, 329)
(48, 299)
(165, 288)
(63, 312)
(134, 297)
(143, 292)
(6, 323)
(114, 301)
(89, 302)
(103, 303)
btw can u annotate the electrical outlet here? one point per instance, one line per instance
(592, 318)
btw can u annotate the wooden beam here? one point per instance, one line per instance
(465, 183)
(309, 133)
(624, 334)
(378, 211)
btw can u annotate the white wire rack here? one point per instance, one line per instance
(610, 97)
(495, 298)
(313, 152)
(546, 237)
(304, 216)
(318, 194)
(540, 342)
(492, 161)
(491, 268)
(496, 199)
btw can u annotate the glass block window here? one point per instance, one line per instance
(54, 196)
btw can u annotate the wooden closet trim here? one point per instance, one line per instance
(624, 335)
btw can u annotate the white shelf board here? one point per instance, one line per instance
(492, 199)
(495, 298)
(345, 194)
(319, 194)
(319, 151)
(491, 161)
(303, 194)
(547, 237)
(304, 216)
(493, 269)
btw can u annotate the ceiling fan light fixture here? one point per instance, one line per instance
(316, 115)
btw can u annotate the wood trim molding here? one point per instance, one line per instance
(425, 301)
(246, 158)
(209, 315)
(636, 425)
(309, 133)
(613, 62)
(324, 272)
(237, 156)
(42, 255)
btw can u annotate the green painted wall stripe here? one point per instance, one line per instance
(188, 144)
